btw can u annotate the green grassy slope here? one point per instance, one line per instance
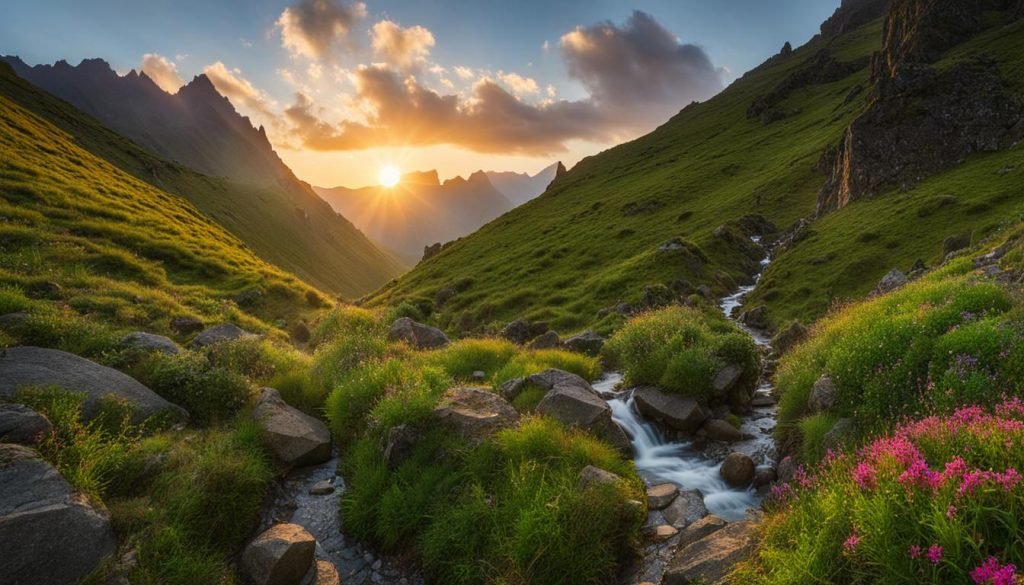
(591, 240)
(296, 231)
(121, 252)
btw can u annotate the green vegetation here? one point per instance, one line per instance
(681, 349)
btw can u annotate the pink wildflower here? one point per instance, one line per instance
(851, 543)
(951, 511)
(864, 475)
(994, 573)
(934, 554)
(914, 552)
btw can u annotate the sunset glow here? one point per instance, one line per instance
(389, 176)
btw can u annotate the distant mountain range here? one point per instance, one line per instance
(247, 188)
(421, 211)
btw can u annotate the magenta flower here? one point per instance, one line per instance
(914, 552)
(864, 475)
(994, 573)
(851, 543)
(951, 511)
(934, 554)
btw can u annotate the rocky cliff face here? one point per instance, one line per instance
(921, 120)
(852, 14)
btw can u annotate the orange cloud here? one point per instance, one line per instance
(163, 72)
(243, 94)
(404, 48)
(314, 28)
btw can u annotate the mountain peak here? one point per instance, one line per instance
(422, 178)
(199, 85)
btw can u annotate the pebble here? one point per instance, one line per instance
(665, 532)
(322, 488)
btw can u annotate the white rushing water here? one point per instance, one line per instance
(660, 460)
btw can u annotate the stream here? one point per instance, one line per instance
(659, 460)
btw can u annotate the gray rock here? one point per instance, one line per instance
(823, 395)
(595, 476)
(475, 413)
(588, 343)
(150, 342)
(293, 437)
(840, 435)
(549, 340)
(688, 507)
(517, 332)
(581, 407)
(890, 282)
(717, 429)
(725, 379)
(417, 335)
(48, 534)
(22, 425)
(756, 318)
(738, 470)
(479, 376)
(510, 389)
(791, 336)
(661, 495)
(552, 377)
(25, 367)
(398, 445)
(219, 334)
(786, 470)
(12, 321)
(679, 412)
(186, 325)
(765, 476)
(282, 555)
(324, 487)
(709, 560)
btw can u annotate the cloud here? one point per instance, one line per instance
(405, 48)
(243, 94)
(163, 72)
(518, 84)
(637, 75)
(639, 63)
(314, 28)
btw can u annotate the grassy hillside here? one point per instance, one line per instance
(591, 241)
(108, 248)
(286, 224)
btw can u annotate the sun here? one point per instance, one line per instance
(389, 176)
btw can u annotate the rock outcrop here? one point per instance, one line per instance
(417, 335)
(282, 555)
(22, 425)
(475, 413)
(35, 367)
(820, 69)
(48, 533)
(293, 437)
(710, 559)
(852, 14)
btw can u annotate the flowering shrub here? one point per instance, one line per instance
(939, 500)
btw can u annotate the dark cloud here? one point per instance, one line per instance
(637, 76)
(313, 28)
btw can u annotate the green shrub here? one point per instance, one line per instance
(209, 393)
(352, 401)
(680, 349)
(346, 321)
(13, 299)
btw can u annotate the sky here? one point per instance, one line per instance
(345, 88)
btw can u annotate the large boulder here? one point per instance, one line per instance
(150, 342)
(895, 279)
(219, 334)
(661, 495)
(552, 377)
(517, 332)
(711, 559)
(475, 413)
(48, 533)
(679, 412)
(823, 395)
(548, 340)
(293, 437)
(186, 325)
(579, 406)
(22, 425)
(720, 430)
(725, 379)
(687, 508)
(35, 367)
(588, 342)
(417, 335)
(738, 469)
(282, 555)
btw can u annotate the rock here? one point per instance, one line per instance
(823, 395)
(725, 379)
(475, 413)
(765, 476)
(549, 340)
(293, 437)
(756, 318)
(186, 325)
(517, 332)
(791, 336)
(324, 487)
(679, 412)
(840, 435)
(890, 282)
(954, 244)
(552, 377)
(688, 507)
(300, 333)
(664, 532)
(479, 376)
(588, 343)
(661, 495)
(417, 335)
(738, 470)
(581, 407)
(510, 389)
(49, 535)
(12, 321)
(786, 470)
(762, 401)
(22, 367)
(22, 425)
(717, 429)
(699, 529)
(218, 334)
(150, 342)
(398, 445)
(282, 555)
(595, 476)
(712, 558)
(327, 573)
(538, 328)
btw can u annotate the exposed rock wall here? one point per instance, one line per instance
(852, 14)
